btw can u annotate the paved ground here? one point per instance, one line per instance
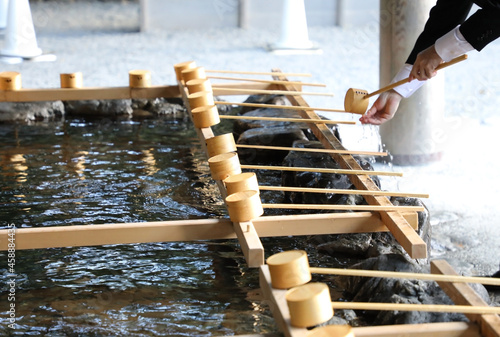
(104, 43)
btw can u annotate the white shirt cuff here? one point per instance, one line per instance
(406, 89)
(452, 44)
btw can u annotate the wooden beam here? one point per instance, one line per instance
(250, 243)
(245, 232)
(104, 93)
(463, 294)
(63, 94)
(402, 231)
(446, 329)
(325, 223)
(109, 234)
(194, 230)
(277, 304)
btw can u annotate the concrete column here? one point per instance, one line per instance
(413, 135)
(4, 4)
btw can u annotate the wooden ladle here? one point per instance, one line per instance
(356, 100)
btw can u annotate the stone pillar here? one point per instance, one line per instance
(4, 4)
(413, 135)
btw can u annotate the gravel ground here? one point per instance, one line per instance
(103, 41)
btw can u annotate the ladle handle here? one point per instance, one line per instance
(403, 81)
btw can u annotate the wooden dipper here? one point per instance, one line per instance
(289, 269)
(139, 78)
(244, 206)
(357, 100)
(179, 67)
(332, 331)
(10, 80)
(71, 80)
(204, 117)
(224, 165)
(199, 84)
(220, 144)
(309, 304)
(200, 98)
(246, 181)
(193, 73)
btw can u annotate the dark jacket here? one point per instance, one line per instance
(479, 29)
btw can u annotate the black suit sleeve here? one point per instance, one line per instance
(479, 29)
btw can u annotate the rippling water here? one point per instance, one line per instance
(95, 171)
(84, 172)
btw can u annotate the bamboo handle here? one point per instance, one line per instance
(403, 275)
(321, 170)
(307, 149)
(218, 90)
(285, 119)
(257, 73)
(403, 81)
(465, 309)
(366, 208)
(340, 191)
(284, 107)
(243, 79)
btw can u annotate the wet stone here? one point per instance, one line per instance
(390, 290)
(263, 99)
(159, 106)
(113, 107)
(319, 180)
(31, 111)
(275, 136)
(241, 126)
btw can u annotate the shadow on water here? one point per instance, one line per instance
(94, 171)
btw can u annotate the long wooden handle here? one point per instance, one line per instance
(257, 73)
(366, 208)
(321, 170)
(244, 79)
(221, 90)
(308, 149)
(405, 275)
(274, 106)
(403, 81)
(465, 309)
(286, 119)
(341, 191)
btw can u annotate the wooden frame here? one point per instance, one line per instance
(460, 293)
(401, 224)
(249, 232)
(91, 93)
(194, 230)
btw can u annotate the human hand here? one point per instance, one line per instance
(425, 64)
(383, 109)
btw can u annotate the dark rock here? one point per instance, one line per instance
(319, 180)
(113, 107)
(276, 136)
(241, 126)
(30, 111)
(366, 245)
(349, 245)
(263, 99)
(390, 290)
(159, 106)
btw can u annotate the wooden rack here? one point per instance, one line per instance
(461, 293)
(401, 224)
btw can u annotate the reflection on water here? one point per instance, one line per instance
(84, 172)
